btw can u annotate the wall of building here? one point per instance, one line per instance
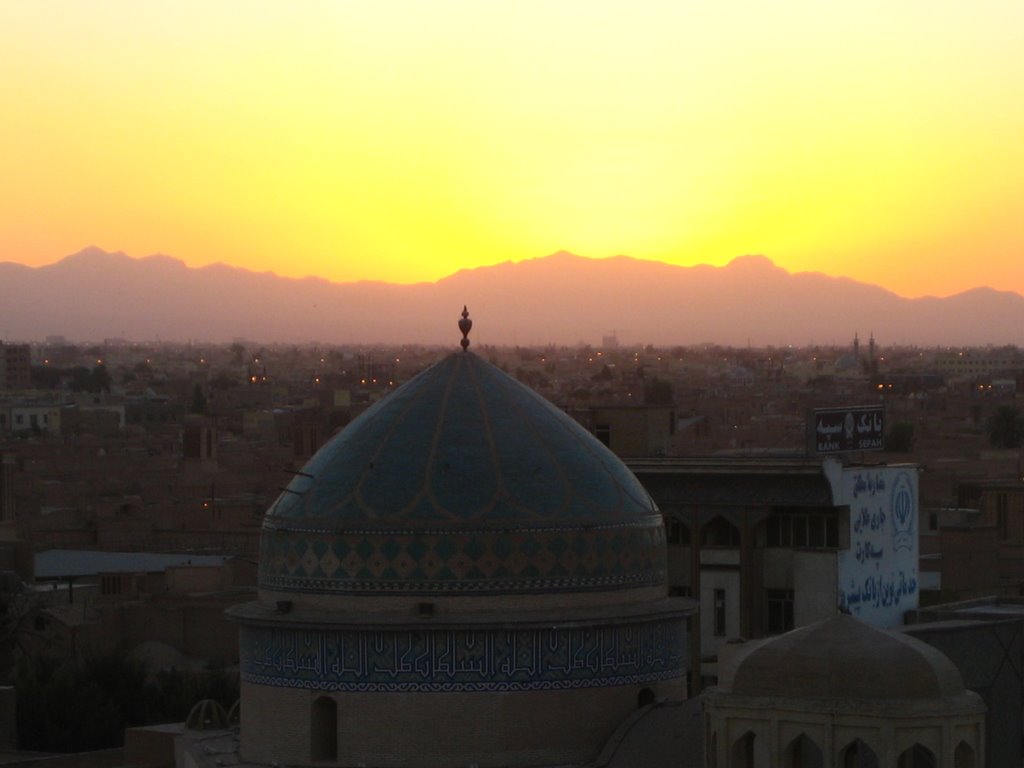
(814, 586)
(989, 656)
(558, 727)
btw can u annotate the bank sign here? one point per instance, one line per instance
(877, 575)
(838, 430)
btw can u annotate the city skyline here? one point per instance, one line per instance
(403, 142)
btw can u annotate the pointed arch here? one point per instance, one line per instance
(803, 752)
(916, 756)
(963, 756)
(748, 751)
(857, 754)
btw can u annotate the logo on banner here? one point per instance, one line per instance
(902, 505)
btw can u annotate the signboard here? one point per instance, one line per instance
(878, 577)
(835, 430)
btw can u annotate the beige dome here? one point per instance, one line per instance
(841, 658)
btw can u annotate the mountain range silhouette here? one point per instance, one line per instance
(556, 299)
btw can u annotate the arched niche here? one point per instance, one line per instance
(963, 756)
(748, 751)
(857, 754)
(916, 756)
(802, 752)
(323, 742)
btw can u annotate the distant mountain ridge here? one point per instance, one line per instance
(559, 299)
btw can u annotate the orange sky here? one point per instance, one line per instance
(403, 141)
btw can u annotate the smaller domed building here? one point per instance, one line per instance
(842, 693)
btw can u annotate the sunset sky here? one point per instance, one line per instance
(403, 141)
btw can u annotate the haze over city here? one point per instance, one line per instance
(402, 142)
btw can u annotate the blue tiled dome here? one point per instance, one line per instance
(462, 481)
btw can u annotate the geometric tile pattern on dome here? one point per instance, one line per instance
(478, 562)
(461, 442)
(451, 660)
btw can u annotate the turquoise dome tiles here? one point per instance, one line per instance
(462, 442)
(427, 562)
(462, 480)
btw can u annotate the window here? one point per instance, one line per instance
(1002, 518)
(719, 532)
(803, 529)
(779, 610)
(324, 727)
(676, 532)
(603, 432)
(719, 613)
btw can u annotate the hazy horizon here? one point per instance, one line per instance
(559, 299)
(405, 141)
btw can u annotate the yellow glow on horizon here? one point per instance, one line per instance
(403, 141)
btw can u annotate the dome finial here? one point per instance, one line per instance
(465, 325)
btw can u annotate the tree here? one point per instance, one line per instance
(224, 380)
(96, 380)
(198, 401)
(900, 438)
(76, 703)
(658, 392)
(47, 377)
(1006, 427)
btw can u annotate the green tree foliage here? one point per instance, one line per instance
(83, 703)
(47, 377)
(224, 380)
(1006, 427)
(84, 380)
(237, 353)
(198, 401)
(900, 438)
(658, 392)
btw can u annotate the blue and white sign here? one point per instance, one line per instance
(878, 577)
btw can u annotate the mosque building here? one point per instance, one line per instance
(463, 576)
